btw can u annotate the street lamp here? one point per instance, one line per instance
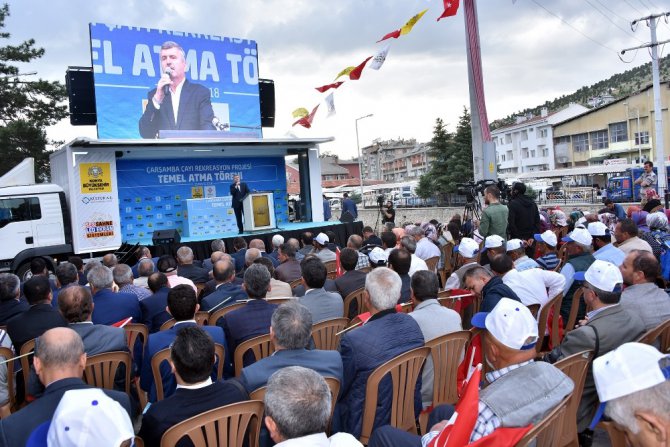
(360, 159)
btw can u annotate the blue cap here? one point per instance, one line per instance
(579, 276)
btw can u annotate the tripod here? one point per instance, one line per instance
(471, 210)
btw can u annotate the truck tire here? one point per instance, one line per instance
(23, 272)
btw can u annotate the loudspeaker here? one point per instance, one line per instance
(266, 91)
(81, 95)
(163, 237)
(347, 217)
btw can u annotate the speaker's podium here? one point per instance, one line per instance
(259, 211)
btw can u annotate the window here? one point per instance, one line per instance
(524, 135)
(544, 133)
(580, 143)
(508, 138)
(599, 140)
(545, 152)
(502, 157)
(641, 138)
(525, 153)
(618, 132)
(532, 153)
(19, 210)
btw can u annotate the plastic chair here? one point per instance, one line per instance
(448, 267)
(554, 303)
(261, 347)
(295, 283)
(7, 354)
(574, 308)
(221, 312)
(446, 352)
(658, 337)
(325, 332)
(331, 267)
(575, 367)
(134, 330)
(100, 370)
(547, 432)
(27, 347)
(357, 296)
(280, 300)
(431, 263)
(617, 437)
(200, 318)
(404, 370)
(533, 308)
(227, 426)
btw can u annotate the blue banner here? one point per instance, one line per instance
(152, 193)
(219, 90)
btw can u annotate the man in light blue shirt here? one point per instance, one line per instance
(602, 243)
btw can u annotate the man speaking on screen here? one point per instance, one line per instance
(176, 103)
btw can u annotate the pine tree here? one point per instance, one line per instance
(439, 151)
(26, 107)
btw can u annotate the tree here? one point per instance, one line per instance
(26, 107)
(452, 154)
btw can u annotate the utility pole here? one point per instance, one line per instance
(658, 118)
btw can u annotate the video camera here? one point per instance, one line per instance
(471, 189)
(380, 200)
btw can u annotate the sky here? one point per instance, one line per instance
(532, 51)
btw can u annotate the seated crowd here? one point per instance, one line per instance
(394, 290)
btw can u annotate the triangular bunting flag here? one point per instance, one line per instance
(392, 35)
(450, 8)
(407, 27)
(379, 58)
(300, 112)
(325, 88)
(306, 121)
(344, 72)
(355, 74)
(330, 103)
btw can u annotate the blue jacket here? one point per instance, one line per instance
(161, 340)
(493, 291)
(251, 320)
(135, 268)
(153, 310)
(349, 205)
(111, 307)
(385, 336)
(326, 363)
(238, 256)
(223, 292)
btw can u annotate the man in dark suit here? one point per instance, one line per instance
(10, 304)
(111, 307)
(254, 318)
(238, 190)
(290, 332)
(192, 359)
(349, 205)
(59, 361)
(372, 344)
(187, 269)
(153, 307)
(176, 103)
(66, 276)
(143, 253)
(182, 304)
(289, 268)
(218, 247)
(240, 246)
(226, 290)
(39, 318)
(352, 280)
(260, 245)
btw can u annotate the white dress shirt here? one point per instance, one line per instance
(321, 440)
(534, 286)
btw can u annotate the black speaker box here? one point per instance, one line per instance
(347, 217)
(266, 91)
(163, 237)
(81, 95)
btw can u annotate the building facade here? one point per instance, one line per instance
(395, 160)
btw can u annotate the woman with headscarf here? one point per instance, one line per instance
(653, 201)
(573, 218)
(658, 232)
(640, 219)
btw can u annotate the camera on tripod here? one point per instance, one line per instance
(471, 189)
(380, 200)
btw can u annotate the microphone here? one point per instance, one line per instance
(218, 125)
(166, 88)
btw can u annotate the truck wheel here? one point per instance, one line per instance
(23, 272)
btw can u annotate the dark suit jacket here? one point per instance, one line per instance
(15, 430)
(33, 323)
(11, 308)
(223, 292)
(99, 338)
(330, 286)
(161, 340)
(135, 268)
(275, 261)
(247, 322)
(238, 256)
(238, 195)
(326, 363)
(153, 310)
(288, 270)
(196, 274)
(111, 307)
(350, 282)
(195, 111)
(183, 404)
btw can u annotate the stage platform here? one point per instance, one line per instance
(202, 247)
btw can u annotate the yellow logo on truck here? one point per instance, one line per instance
(95, 178)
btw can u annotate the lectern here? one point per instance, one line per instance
(259, 211)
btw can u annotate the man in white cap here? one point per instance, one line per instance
(510, 350)
(467, 251)
(546, 246)
(321, 250)
(493, 245)
(516, 249)
(579, 260)
(643, 296)
(606, 327)
(633, 384)
(602, 243)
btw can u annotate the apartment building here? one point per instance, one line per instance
(395, 160)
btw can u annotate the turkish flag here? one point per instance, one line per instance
(325, 88)
(392, 35)
(306, 121)
(502, 437)
(356, 72)
(450, 8)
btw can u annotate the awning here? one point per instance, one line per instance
(581, 170)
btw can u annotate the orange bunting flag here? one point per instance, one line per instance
(300, 112)
(355, 74)
(325, 88)
(306, 121)
(450, 8)
(406, 28)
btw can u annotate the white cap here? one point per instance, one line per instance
(603, 275)
(579, 235)
(321, 238)
(598, 229)
(581, 222)
(85, 417)
(548, 237)
(468, 248)
(378, 256)
(511, 323)
(494, 241)
(277, 240)
(630, 368)
(515, 244)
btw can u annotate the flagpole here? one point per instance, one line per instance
(360, 159)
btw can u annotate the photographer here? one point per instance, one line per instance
(495, 215)
(388, 213)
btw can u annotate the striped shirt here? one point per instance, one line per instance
(549, 261)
